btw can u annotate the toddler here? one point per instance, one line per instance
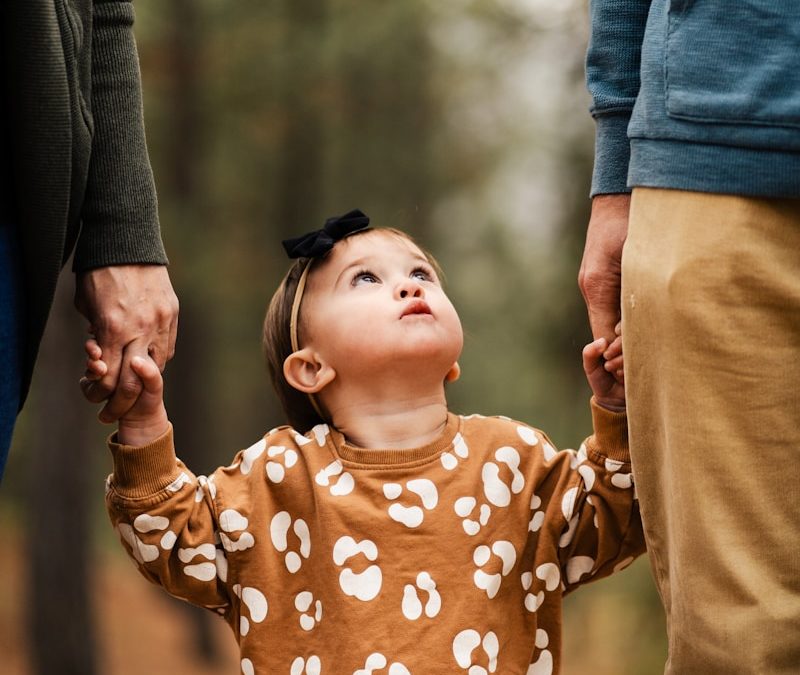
(381, 532)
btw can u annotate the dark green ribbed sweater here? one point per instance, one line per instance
(81, 172)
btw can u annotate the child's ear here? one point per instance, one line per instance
(454, 373)
(306, 372)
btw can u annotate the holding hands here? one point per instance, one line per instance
(603, 363)
(132, 312)
(146, 419)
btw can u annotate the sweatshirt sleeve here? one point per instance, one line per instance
(119, 215)
(590, 519)
(612, 76)
(168, 522)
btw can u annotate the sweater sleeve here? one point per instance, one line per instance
(612, 76)
(119, 215)
(590, 521)
(168, 522)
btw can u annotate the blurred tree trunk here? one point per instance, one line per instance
(386, 111)
(299, 187)
(60, 617)
(183, 155)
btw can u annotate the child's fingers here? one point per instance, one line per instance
(149, 373)
(592, 353)
(95, 369)
(93, 350)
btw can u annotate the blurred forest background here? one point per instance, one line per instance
(462, 121)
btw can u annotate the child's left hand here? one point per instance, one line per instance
(603, 366)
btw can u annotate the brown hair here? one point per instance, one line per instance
(277, 340)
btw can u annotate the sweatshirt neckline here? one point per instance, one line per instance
(393, 457)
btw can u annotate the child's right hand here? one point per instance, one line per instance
(603, 364)
(147, 418)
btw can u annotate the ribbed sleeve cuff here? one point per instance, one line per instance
(612, 152)
(610, 438)
(141, 471)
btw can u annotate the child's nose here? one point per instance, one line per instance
(410, 288)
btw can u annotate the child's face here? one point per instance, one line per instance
(376, 303)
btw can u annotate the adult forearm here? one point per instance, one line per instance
(120, 218)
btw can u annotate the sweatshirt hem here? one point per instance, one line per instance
(699, 167)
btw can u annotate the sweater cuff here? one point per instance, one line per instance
(141, 471)
(612, 152)
(610, 438)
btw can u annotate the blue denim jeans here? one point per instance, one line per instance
(10, 336)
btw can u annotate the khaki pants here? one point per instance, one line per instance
(711, 333)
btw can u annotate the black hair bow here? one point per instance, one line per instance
(318, 243)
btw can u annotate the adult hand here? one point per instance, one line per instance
(601, 268)
(132, 311)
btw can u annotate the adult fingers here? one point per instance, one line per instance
(163, 333)
(599, 277)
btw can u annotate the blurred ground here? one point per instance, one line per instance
(140, 628)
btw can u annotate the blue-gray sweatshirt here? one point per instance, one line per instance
(697, 95)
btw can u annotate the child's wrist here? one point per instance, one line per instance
(614, 405)
(143, 431)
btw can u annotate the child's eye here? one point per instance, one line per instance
(364, 276)
(422, 274)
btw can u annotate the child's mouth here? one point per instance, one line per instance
(416, 307)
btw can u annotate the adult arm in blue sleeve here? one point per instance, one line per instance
(612, 77)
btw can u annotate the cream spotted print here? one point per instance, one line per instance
(464, 506)
(460, 452)
(247, 667)
(504, 550)
(310, 610)
(206, 569)
(465, 645)
(532, 602)
(550, 575)
(344, 483)
(376, 662)
(623, 564)
(578, 566)
(301, 666)
(279, 531)
(412, 606)
(141, 552)
(364, 585)
(250, 455)
(145, 523)
(544, 663)
(256, 605)
(205, 484)
(179, 482)
(280, 459)
(411, 516)
(321, 433)
(537, 518)
(231, 522)
(496, 490)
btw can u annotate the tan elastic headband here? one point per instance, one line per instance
(298, 298)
